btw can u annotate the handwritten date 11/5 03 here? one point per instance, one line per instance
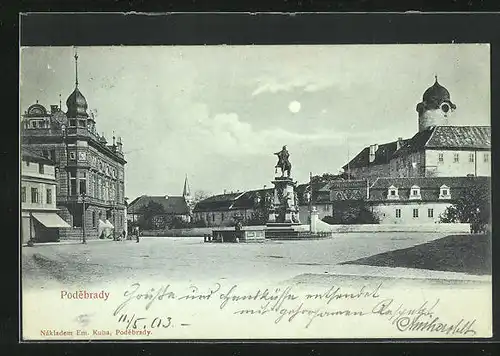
(134, 322)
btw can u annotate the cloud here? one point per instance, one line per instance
(225, 135)
(272, 85)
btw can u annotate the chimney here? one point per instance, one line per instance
(399, 143)
(373, 150)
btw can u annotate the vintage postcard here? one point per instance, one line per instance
(255, 192)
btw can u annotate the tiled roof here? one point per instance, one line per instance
(27, 153)
(173, 205)
(441, 137)
(383, 155)
(217, 202)
(429, 182)
(429, 187)
(246, 200)
(474, 137)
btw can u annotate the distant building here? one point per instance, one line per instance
(223, 209)
(320, 199)
(436, 150)
(39, 219)
(171, 207)
(89, 171)
(409, 200)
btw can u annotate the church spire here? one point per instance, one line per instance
(186, 192)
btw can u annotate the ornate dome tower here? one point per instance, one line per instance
(76, 102)
(435, 108)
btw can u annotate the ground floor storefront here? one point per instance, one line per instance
(40, 226)
(84, 220)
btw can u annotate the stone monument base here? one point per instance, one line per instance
(282, 231)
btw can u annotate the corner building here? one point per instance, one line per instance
(89, 172)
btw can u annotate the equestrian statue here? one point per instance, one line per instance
(283, 162)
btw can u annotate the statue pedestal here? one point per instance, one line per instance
(284, 214)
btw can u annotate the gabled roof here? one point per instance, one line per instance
(29, 154)
(247, 200)
(172, 205)
(415, 144)
(383, 155)
(220, 202)
(448, 137)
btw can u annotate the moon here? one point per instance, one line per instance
(294, 107)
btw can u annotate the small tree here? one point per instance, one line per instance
(199, 195)
(472, 206)
(198, 223)
(178, 223)
(355, 212)
(328, 177)
(262, 207)
(148, 212)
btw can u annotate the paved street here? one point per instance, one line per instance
(186, 259)
(190, 266)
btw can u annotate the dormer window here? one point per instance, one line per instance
(415, 192)
(392, 193)
(444, 192)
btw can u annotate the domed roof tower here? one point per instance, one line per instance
(435, 107)
(76, 102)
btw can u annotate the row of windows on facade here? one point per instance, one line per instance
(110, 171)
(430, 213)
(393, 192)
(456, 157)
(100, 188)
(77, 217)
(211, 217)
(41, 167)
(42, 124)
(96, 163)
(35, 196)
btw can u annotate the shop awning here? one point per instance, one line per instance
(50, 220)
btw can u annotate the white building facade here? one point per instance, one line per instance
(39, 219)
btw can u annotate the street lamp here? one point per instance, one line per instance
(84, 241)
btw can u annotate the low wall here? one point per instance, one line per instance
(372, 228)
(324, 227)
(195, 231)
(200, 231)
